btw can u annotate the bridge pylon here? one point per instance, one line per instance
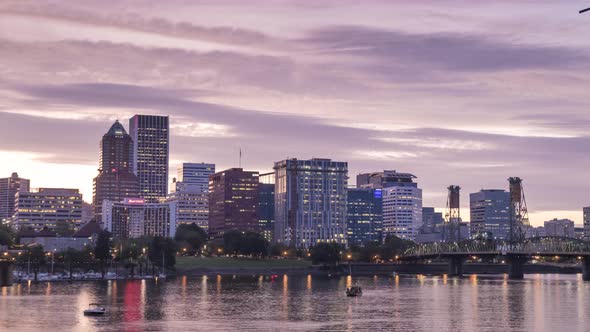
(453, 214)
(519, 218)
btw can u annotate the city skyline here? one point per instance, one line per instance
(325, 86)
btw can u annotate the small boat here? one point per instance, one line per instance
(95, 310)
(354, 291)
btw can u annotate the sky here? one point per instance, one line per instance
(462, 92)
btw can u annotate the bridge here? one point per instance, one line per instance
(516, 253)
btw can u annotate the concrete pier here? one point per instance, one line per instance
(516, 266)
(5, 274)
(456, 266)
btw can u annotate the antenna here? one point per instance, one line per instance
(240, 160)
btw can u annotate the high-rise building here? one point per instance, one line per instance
(380, 180)
(402, 203)
(490, 213)
(266, 210)
(116, 180)
(560, 227)
(191, 194)
(8, 189)
(431, 218)
(586, 219)
(233, 201)
(310, 202)
(151, 137)
(47, 207)
(133, 218)
(364, 215)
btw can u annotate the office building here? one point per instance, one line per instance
(310, 202)
(431, 218)
(190, 191)
(364, 215)
(380, 180)
(233, 201)
(402, 203)
(560, 227)
(8, 189)
(579, 232)
(116, 180)
(48, 207)
(266, 210)
(134, 217)
(490, 213)
(586, 219)
(151, 137)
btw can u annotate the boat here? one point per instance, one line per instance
(354, 291)
(95, 310)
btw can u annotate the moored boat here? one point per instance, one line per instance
(354, 291)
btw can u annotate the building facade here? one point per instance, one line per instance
(266, 210)
(402, 204)
(9, 187)
(586, 219)
(134, 217)
(151, 137)
(233, 201)
(310, 202)
(48, 207)
(560, 227)
(116, 180)
(431, 218)
(364, 215)
(190, 191)
(490, 213)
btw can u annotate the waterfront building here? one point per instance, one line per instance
(560, 227)
(364, 215)
(48, 207)
(490, 213)
(8, 189)
(51, 241)
(310, 202)
(151, 137)
(233, 201)
(402, 203)
(190, 191)
(134, 217)
(116, 180)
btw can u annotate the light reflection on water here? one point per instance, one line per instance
(443, 303)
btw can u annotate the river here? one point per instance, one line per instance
(303, 303)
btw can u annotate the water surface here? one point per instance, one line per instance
(303, 303)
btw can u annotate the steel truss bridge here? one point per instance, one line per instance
(517, 254)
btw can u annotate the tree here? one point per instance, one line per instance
(370, 252)
(7, 235)
(253, 244)
(72, 259)
(326, 253)
(190, 237)
(162, 249)
(231, 242)
(64, 228)
(37, 257)
(394, 246)
(102, 250)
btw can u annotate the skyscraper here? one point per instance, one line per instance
(364, 215)
(8, 189)
(151, 137)
(191, 193)
(233, 201)
(310, 202)
(266, 206)
(115, 180)
(402, 204)
(490, 213)
(586, 218)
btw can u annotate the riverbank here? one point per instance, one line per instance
(442, 268)
(198, 266)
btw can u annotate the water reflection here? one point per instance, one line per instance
(305, 302)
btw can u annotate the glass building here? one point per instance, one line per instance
(310, 202)
(151, 136)
(364, 215)
(115, 180)
(490, 213)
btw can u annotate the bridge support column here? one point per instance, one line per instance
(586, 268)
(456, 266)
(516, 266)
(5, 274)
